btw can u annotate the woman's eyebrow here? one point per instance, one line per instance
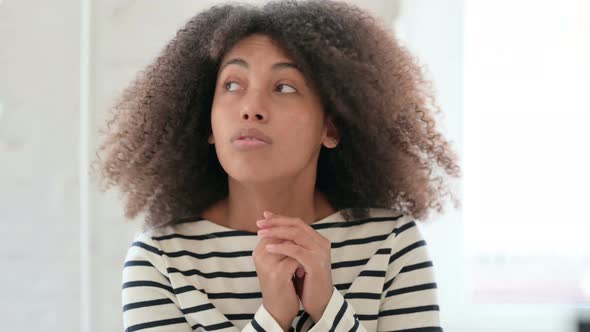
(243, 63)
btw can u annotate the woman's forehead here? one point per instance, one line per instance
(257, 45)
(262, 51)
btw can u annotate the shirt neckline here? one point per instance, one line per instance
(333, 217)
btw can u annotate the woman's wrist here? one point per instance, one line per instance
(285, 326)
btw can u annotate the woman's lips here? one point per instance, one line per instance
(251, 133)
(249, 143)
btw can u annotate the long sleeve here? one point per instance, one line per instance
(338, 316)
(148, 297)
(263, 321)
(149, 300)
(409, 299)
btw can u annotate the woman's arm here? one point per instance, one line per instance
(147, 296)
(149, 300)
(409, 299)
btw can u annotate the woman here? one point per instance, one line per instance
(306, 121)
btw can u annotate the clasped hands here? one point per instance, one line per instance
(310, 249)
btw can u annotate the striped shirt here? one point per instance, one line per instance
(197, 275)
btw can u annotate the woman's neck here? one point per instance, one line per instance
(222, 213)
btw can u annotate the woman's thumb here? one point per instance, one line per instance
(300, 272)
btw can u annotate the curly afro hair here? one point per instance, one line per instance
(390, 152)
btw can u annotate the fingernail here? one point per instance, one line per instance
(300, 272)
(267, 214)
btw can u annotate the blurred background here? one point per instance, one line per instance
(511, 78)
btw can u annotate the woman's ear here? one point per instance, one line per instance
(332, 137)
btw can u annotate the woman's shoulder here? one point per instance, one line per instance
(143, 253)
(404, 229)
(149, 238)
(380, 212)
(152, 245)
(180, 226)
(390, 218)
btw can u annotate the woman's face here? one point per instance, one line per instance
(259, 87)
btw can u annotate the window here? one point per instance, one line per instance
(527, 151)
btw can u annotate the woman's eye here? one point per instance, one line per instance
(290, 87)
(225, 85)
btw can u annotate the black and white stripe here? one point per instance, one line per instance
(184, 278)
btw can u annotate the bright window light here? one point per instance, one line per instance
(527, 149)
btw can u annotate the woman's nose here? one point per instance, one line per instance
(254, 106)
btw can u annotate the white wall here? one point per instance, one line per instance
(39, 196)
